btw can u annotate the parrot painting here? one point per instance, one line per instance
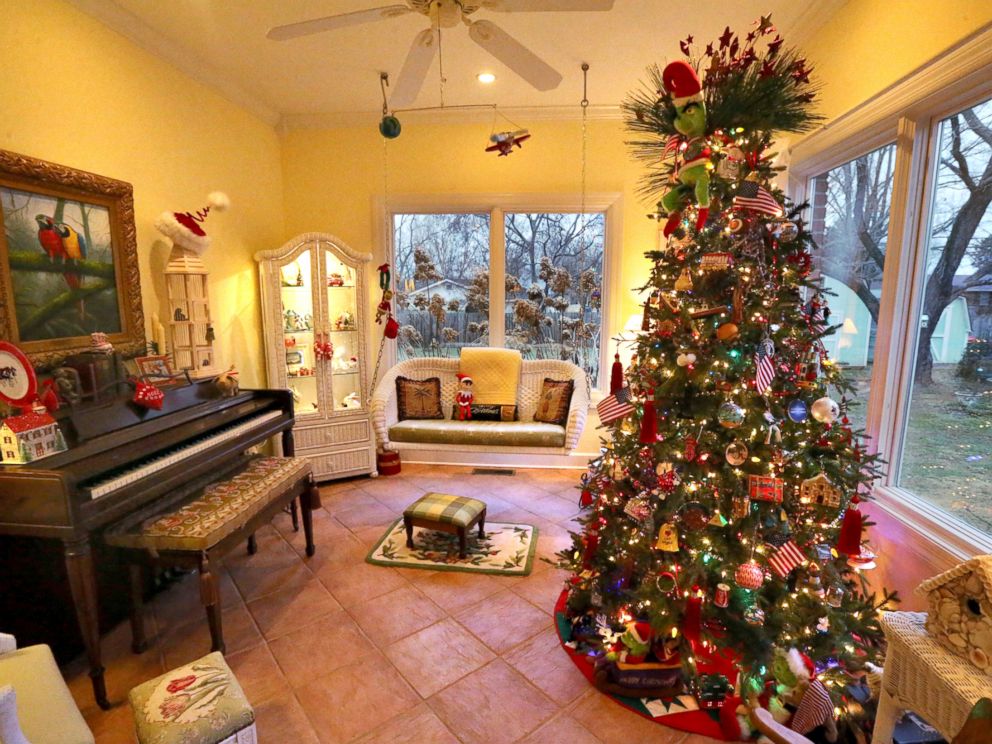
(48, 236)
(73, 248)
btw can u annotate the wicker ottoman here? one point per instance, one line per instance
(441, 511)
(922, 676)
(199, 703)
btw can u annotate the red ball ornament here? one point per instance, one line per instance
(749, 575)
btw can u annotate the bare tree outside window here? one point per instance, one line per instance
(948, 452)
(554, 265)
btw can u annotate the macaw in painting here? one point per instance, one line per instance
(74, 246)
(48, 236)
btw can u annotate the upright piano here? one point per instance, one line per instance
(122, 458)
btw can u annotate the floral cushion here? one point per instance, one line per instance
(199, 703)
(223, 508)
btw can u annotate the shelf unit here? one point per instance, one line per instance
(313, 290)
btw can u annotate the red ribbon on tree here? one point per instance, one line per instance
(849, 540)
(616, 376)
(649, 421)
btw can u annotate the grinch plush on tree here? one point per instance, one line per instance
(713, 520)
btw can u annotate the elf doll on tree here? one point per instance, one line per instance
(721, 520)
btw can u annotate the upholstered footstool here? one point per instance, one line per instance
(446, 513)
(199, 703)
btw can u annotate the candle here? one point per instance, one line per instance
(158, 333)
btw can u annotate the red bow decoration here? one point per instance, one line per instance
(148, 396)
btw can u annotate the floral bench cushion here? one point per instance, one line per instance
(222, 509)
(488, 433)
(199, 703)
(459, 511)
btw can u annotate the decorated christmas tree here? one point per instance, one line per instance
(722, 546)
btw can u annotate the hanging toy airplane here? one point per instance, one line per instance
(504, 141)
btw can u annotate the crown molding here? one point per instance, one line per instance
(133, 28)
(483, 114)
(810, 20)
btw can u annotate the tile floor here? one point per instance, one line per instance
(333, 649)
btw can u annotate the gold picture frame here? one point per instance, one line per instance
(68, 260)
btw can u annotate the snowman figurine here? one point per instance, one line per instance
(464, 397)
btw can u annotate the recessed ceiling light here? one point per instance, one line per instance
(486, 78)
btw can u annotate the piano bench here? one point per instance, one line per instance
(214, 522)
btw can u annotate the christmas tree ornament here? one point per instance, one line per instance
(694, 516)
(774, 433)
(786, 231)
(749, 575)
(666, 329)
(797, 411)
(690, 448)
(685, 359)
(730, 415)
(616, 375)
(586, 498)
(849, 539)
(638, 509)
(736, 453)
(617, 470)
(835, 596)
(825, 410)
(693, 175)
(649, 421)
(735, 224)
(813, 584)
(668, 538)
(684, 282)
(666, 582)
(727, 332)
(721, 261)
(820, 491)
(785, 558)
(740, 506)
(721, 595)
(766, 488)
(754, 615)
(764, 365)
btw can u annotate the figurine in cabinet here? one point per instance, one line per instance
(345, 322)
(351, 400)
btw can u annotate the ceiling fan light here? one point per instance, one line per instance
(486, 78)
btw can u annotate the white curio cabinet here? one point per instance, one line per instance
(313, 313)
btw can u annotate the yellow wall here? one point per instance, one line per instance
(332, 175)
(870, 44)
(76, 93)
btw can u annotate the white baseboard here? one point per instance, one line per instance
(446, 456)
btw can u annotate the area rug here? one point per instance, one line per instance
(507, 549)
(682, 712)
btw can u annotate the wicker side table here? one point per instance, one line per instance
(922, 676)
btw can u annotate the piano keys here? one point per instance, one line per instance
(120, 459)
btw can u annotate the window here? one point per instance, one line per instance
(441, 282)
(912, 169)
(850, 224)
(947, 454)
(554, 277)
(505, 272)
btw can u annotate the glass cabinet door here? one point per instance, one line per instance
(296, 290)
(342, 331)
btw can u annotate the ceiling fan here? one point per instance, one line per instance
(447, 14)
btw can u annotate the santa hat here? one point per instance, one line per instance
(801, 665)
(640, 631)
(682, 82)
(185, 229)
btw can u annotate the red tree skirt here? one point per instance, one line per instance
(680, 713)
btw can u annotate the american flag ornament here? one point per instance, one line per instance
(614, 407)
(786, 558)
(764, 365)
(752, 196)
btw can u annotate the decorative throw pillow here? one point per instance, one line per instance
(418, 399)
(488, 412)
(552, 406)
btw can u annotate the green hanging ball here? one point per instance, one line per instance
(389, 127)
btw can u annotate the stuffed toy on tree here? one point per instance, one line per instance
(714, 514)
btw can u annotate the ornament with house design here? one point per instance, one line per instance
(30, 436)
(820, 491)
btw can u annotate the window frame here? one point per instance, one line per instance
(496, 205)
(907, 113)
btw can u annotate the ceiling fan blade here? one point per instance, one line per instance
(418, 62)
(327, 23)
(514, 55)
(524, 6)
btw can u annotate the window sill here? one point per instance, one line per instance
(943, 531)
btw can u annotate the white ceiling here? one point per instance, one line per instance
(333, 74)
